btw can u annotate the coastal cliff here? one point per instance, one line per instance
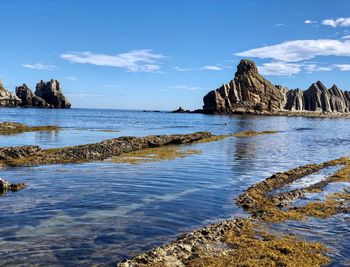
(250, 92)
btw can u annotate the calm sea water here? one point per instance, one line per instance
(101, 212)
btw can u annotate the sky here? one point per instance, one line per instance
(162, 54)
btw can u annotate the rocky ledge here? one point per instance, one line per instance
(15, 127)
(6, 186)
(249, 92)
(34, 155)
(246, 242)
(47, 95)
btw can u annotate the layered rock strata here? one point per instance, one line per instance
(8, 99)
(249, 92)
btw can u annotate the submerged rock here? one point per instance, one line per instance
(8, 99)
(249, 92)
(15, 127)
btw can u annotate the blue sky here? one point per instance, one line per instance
(164, 54)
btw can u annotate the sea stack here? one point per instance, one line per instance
(8, 99)
(249, 92)
(47, 95)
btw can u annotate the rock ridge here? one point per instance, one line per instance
(250, 92)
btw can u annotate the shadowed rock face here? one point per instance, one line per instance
(249, 92)
(51, 92)
(47, 95)
(8, 99)
(29, 99)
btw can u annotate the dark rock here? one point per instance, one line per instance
(8, 99)
(249, 92)
(51, 92)
(6, 186)
(29, 99)
(181, 110)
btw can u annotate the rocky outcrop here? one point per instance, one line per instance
(5, 186)
(8, 99)
(47, 95)
(29, 99)
(52, 93)
(249, 92)
(181, 110)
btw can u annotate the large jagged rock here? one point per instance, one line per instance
(51, 92)
(29, 99)
(8, 99)
(249, 92)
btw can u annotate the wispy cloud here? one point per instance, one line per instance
(185, 87)
(134, 61)
(314, 67)
(112, 86)
(39, 66)
(346, 37)
(211, 68)
(298, 50)
(279, 24)
(279, 69)
(308, 21)
(84, 95)
(342, 22)
(343, 67)
(72, 78)
(182, 69)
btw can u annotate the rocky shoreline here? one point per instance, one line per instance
(227, 243)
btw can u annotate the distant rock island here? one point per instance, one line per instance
(249, 92)
(47, 95)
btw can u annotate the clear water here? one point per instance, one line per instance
(101, 212)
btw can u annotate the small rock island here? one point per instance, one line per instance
(47, 95)
(249, 92)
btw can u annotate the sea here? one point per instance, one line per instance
(98, 213)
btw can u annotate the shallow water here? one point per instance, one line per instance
(101, 212)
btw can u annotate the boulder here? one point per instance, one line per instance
(8, 99)
(249, 92)
(52, 94)
(5, 186)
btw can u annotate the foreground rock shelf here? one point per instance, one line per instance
(245, 242)
(34, 155)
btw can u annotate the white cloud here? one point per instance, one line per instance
(134, 61)
(182, 69)
(346, 37)
(72, 78)
(343, 67)
(279, 24)
(342, 22)
(298, 50)
(313, 67)
(211, 68)
(112, 86)
(39, 66)
(84, 95)
(279, 69)
(185, 87)
(308, 21)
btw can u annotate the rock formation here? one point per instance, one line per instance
(249, 92)
(8, 99)
(51, 92)
(47, 95)
(29, 99)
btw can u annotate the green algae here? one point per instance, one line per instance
(9, 128)
(251, 133)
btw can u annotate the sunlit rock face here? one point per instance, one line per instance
(8, 99)
(250, 92)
